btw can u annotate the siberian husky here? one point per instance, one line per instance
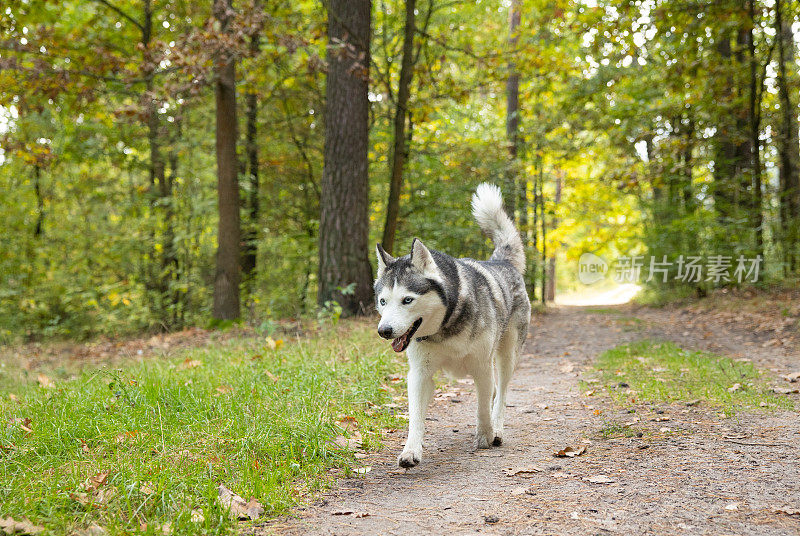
(463, 316)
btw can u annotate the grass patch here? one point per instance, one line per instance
(613, 429)
(169, 431)
(663, 372)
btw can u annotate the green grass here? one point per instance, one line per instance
(169, 431)
(663, 372)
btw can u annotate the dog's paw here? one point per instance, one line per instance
(407, 460)
(483, 440)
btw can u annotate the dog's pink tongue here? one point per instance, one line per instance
(397, 344)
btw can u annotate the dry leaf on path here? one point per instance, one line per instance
(522, 490)
(342, 512)
(732, 506)
(663, 418)
(600, 479)
(9, 525)
(524, 471)
(236, 505)
(785, 391)
(792, 377)
(570, 452)
(787, 510)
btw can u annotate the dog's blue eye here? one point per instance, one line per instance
(407, 300)
(383, 302)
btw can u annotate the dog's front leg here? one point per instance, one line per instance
(420, 390)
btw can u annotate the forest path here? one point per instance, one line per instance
(663, 483)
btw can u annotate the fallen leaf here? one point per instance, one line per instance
(95, 481)
(526, 470)
(11, 526)
(352, 443)
(125, 436)
(342, 512)
(359, 515)
(600, 479)
(92, 530)
(238, 508)
(223, 389)
(570, 452)
(189, 364)
(787, 510)
(272, 344)
(785, 391)
(732, 506)
(792, 377)
(735, 387)
(695, 402)
(589, 393)
(363, 470)
(45, 381)
(271, 376)
(663, 418)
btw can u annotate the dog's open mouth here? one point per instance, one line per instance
(402, 342)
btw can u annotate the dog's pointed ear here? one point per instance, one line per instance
(421, 258)
(384, 259)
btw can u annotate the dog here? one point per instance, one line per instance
(463, 316)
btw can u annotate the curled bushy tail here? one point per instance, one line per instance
(487, 208)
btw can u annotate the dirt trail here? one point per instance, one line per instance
(707, 475)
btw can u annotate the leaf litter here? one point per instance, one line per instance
(237, 506)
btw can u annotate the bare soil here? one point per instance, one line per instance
(697, 473)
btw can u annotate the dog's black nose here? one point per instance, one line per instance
(385, 332)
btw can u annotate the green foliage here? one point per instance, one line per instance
(168, 431)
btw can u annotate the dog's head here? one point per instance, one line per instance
(409, 296)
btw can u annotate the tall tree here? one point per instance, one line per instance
(345, 274)
(788, 157)
(226, 283)
(251, 148)
(400, 148)
(512, 111)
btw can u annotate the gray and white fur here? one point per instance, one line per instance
(463, 316)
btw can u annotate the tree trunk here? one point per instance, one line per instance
(551, 264)
(37, 189)
(344, 223)
(512, 110)
(251, 147)
(755, 135)
(400, 149)
(788, 157)
(226, 284)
